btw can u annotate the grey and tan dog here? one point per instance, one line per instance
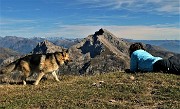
(38, 63)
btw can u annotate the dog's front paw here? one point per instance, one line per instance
(35, 84)
(24, 82)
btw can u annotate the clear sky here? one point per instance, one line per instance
(133, 19)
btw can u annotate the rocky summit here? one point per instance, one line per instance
(98, 53)
(46, 47)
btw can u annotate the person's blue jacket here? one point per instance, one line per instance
(142, 61)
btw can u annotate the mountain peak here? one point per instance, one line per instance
(45, 43)
(100, 32)
(46, 47)
(113, 43)
(100, 52)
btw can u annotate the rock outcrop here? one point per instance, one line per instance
(46, 47)
(98, 53)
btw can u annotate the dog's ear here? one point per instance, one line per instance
(64, 51)
(67, 50)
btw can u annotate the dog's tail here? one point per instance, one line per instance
(9, 68)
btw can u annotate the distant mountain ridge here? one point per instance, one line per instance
(100, 52)
(18, 44)
(6, 53)
(170, 45)
(26, 45)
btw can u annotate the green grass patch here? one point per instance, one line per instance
(106, 91)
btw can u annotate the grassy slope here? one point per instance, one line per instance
(151, 90)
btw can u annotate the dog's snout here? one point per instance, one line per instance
(66, 62)
(70, 60)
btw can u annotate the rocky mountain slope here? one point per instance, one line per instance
(18, 44)
(159, 51)
(98, 53)
(46, 47)
(7, 53)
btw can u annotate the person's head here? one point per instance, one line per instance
(134, 47)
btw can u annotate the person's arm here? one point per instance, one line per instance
(133, 63)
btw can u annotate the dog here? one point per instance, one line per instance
(38, 63)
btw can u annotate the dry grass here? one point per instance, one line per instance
(105, 91)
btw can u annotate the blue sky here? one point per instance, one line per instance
(133, 19)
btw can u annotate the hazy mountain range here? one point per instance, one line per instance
(26, 45)
(97, 53)
(6, 53)
(170, 45)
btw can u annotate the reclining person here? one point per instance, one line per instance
(143, 61)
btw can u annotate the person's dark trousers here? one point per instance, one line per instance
(167, 66)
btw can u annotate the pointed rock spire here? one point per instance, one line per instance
(46, 47)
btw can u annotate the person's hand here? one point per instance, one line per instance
(128, 71)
